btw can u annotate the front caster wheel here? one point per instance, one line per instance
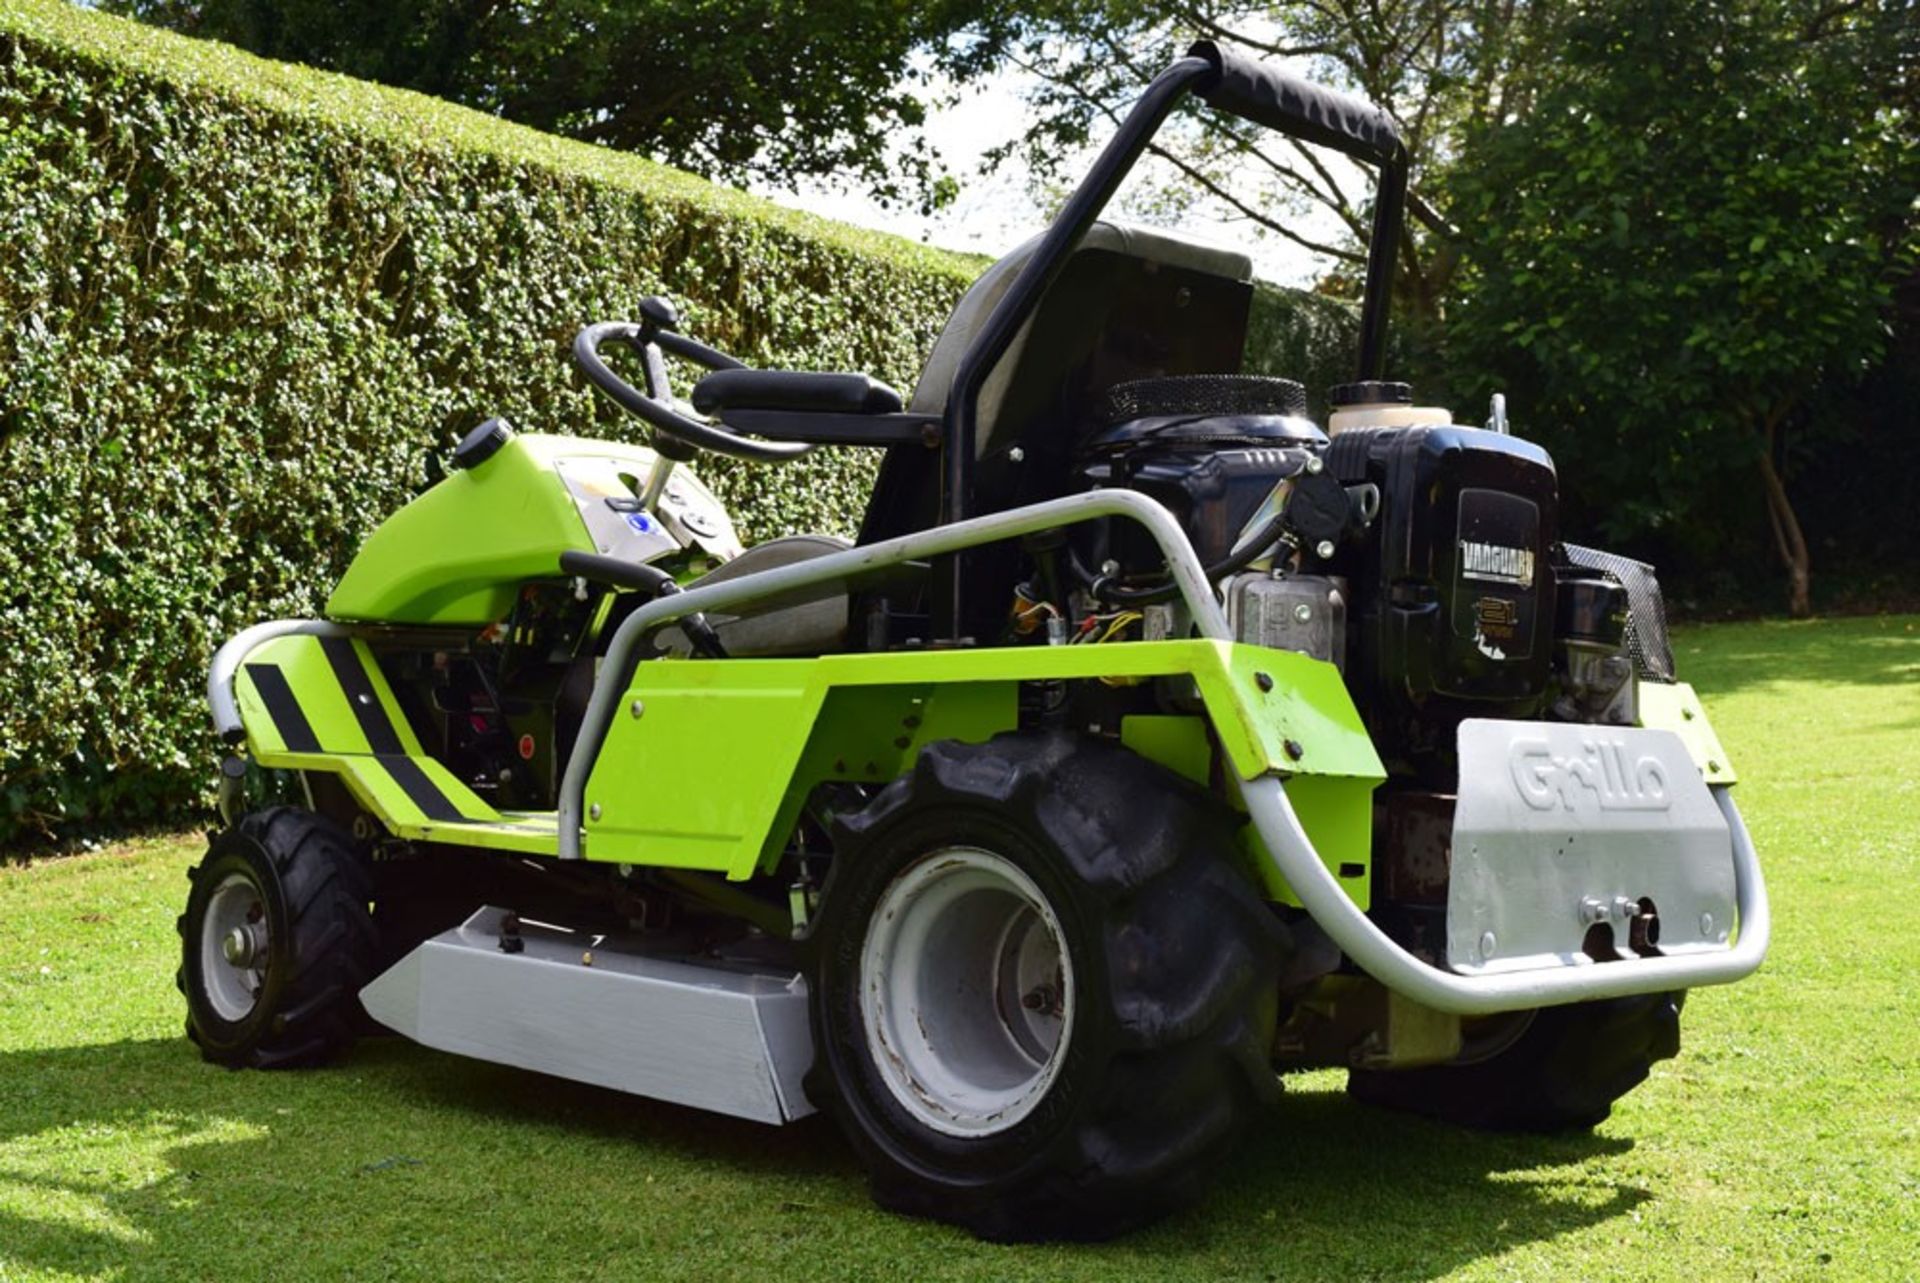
(1562, 1072)
(1043, 993)
(276, 942)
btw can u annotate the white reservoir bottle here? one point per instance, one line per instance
(1375, 404)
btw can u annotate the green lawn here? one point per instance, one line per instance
(1783, 1143)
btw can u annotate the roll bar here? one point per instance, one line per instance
(1256, 93)
(1268, 96)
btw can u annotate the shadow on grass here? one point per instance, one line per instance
(1868, 650)
(137, 1159)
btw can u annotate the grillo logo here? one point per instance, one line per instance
(1496, 562)
(1601, 772)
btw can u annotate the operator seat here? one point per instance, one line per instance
(1130, 303)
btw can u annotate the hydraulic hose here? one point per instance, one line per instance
(651, 580)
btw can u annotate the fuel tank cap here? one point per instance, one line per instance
(482, 444)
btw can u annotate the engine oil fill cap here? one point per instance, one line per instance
(1370, 392)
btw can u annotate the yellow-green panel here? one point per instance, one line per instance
(1303, 700)
(458, 553)
(371, 778)
(1337, 814)
(315, 688)
(1336, 811)
(1674, 707)
(262, 735)
(870, 734)
(535, 835)
(714, 771)
(697, 778)
(388, 701)
(377, 793)
(1268, 703)
(1178, 743)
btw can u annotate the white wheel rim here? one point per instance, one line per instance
(966, 992)
(234, 947)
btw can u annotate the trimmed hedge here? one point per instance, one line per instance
(241, 300)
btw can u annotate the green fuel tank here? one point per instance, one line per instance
(457, 555)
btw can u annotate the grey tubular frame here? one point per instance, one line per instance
(610, 684)
(1292, 855)
(1287, 845)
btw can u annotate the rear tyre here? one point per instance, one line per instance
(1043, 995)
(1562, 1073)
(277, 942)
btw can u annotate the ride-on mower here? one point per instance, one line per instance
(1149, 742)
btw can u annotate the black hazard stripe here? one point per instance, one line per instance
(288, 721)
(367, 708)
(420, 788)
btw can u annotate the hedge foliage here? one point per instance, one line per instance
(240, 300)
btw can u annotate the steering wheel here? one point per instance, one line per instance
(650, 337)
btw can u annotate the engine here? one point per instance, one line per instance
(1422, 557)
(1453, 582)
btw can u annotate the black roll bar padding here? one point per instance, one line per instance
(1270, 97)
(658, 412)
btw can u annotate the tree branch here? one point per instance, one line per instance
(1222, 194)
(1209, 26)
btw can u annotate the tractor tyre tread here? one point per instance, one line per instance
(1177, 1053)
(310, 1013)
(1564, 1073)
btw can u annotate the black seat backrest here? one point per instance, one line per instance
(1130, 303)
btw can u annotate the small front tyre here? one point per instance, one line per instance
(1043, 993)
(277, 942)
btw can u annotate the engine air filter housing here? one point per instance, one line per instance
(1202, 396)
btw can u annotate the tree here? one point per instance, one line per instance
(1693, 230)
(1436, 66)
(731, 89)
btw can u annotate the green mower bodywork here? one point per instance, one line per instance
(792, 725)
(1147, 743)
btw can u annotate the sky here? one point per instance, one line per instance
(995, 212)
